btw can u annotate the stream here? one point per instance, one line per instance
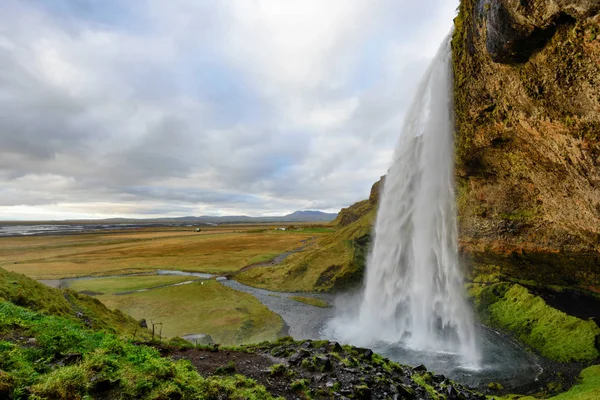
(504, 361)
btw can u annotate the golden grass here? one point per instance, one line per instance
(126, 283)
(311, 301)
(214, 250)
(300, 272)
(229, 316)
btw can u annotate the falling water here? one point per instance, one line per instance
(413, 294)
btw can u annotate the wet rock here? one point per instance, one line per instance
(306, 345)
(323, 363)
(405, 392)
(299, 356)
(336, 347)
(368, 354)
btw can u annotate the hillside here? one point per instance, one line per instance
(334, 262)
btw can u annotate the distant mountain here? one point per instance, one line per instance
(308, 215)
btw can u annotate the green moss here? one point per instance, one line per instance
(421, 381)
(587, 389)
(104, 364)
(553, 333)
(311, 301)
(26, 292)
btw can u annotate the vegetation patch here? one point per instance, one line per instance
(311, 301)
(61, 359)
(26, 292)
(126, 283)
(228, 316)
(554, 334)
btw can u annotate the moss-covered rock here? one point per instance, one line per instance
(552, 333)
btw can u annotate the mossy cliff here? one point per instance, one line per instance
(527, 100)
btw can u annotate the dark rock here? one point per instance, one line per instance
(420, 368)
(336, 347)
(100, 385)
(323, 363)
(368, 354)
(72, 358)
(299, 356)
(438, 378)
(405, 392)
(362, 392)
(143, 323)
(306, 345)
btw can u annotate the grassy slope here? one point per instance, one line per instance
(334, 261)
(229, 316)
(26, 292)
(553, 333)
(34, 365)
(213, 251)
(126, 283)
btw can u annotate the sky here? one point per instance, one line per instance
(154, 108)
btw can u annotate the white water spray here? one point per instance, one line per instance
(413, 293)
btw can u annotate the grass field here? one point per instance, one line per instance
(311, 301)
(218, 250)
(229, 316)
(126, 283)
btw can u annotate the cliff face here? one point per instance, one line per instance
(527, 99)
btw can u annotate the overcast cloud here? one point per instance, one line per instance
(186, 107)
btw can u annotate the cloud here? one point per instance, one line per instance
(189, 107)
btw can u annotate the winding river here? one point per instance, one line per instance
(504, 361)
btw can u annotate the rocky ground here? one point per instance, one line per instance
(323, 370)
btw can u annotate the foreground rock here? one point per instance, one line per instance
(323, 370)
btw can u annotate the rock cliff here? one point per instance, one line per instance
(527, 101)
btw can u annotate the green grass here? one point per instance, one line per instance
(26, 292)
(553, 333)
(263, 258)
(588, 388)
(311, 301)
(334, 260)
(107, 367)
(126, 283)
(228, 316)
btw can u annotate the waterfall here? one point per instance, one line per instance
(413, 293)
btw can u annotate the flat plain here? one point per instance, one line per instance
(203, 306)
(215, 250)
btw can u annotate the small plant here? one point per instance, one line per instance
(278, 369)
(227, 369)
(299, 385)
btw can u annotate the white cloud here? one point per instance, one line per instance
(190, 107)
